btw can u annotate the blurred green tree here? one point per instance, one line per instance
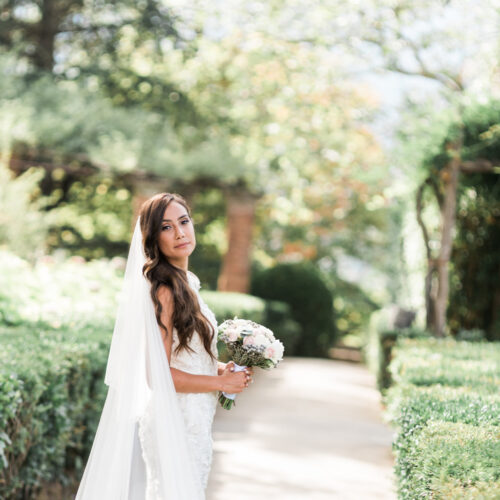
(433, 41)
(295, 136)
(475, 261)
(116, 46)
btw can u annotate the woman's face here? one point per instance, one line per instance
(177, 240)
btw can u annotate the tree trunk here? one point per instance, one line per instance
(430, 295)
(144, 188)
(43, 34)
(235, 272)
(448, 217)
(494, 333)
(429, 288)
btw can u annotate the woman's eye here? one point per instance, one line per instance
(185, 221)
(165, 227)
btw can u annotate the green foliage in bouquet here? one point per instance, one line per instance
(311, 303)
(245, 358)
(444, 405)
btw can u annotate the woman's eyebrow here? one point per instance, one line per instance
(169, 220)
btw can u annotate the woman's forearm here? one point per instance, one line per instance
(188, 382)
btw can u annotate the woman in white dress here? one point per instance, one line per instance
(154, 439)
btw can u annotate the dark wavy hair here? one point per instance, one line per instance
(187, 317)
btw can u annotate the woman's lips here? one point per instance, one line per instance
(183, 245)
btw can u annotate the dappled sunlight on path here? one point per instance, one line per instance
(311, 429)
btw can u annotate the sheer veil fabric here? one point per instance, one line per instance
(139, 384)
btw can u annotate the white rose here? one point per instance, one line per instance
(274, 351)
(269, 334)
(261, 340)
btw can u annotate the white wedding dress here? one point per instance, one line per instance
(197, 409)
(151, 442)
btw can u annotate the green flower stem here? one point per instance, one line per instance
(226, 403)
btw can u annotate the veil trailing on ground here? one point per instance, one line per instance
(140, 385)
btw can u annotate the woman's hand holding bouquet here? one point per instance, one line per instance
(235, 382)
(249, 344)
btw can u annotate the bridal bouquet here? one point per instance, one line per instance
(249, 344)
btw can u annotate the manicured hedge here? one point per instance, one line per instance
(445, 406)
(381, 337)
(301, 286)
(274, 314)
(51, 395)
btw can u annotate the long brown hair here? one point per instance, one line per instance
(187, 317)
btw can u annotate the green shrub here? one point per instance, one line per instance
(467, 453)
(274, 315)
(56, 292)
(279, 320)
(380, 342)
(474, 335)
(51, 397)
(226, 305)
(455, 490)
(311, 303)
(444, 405)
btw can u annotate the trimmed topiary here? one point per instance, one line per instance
(311, 303)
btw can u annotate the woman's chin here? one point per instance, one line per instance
(184, 251)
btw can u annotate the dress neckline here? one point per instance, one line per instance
(193, 280)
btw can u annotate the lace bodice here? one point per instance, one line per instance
(198, 409)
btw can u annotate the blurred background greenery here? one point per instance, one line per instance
(341, 160)
(324, 139)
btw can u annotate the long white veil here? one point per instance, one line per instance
(140, 385)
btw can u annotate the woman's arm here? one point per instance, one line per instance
(188, 382)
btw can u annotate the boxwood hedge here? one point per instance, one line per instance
(445, 406)
(51, 394)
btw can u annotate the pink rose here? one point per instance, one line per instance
(270, 352)
(233, 334)
(274, 351)
(249, 340)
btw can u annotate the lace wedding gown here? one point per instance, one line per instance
(197, 409)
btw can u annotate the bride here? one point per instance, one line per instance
(154, 438)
